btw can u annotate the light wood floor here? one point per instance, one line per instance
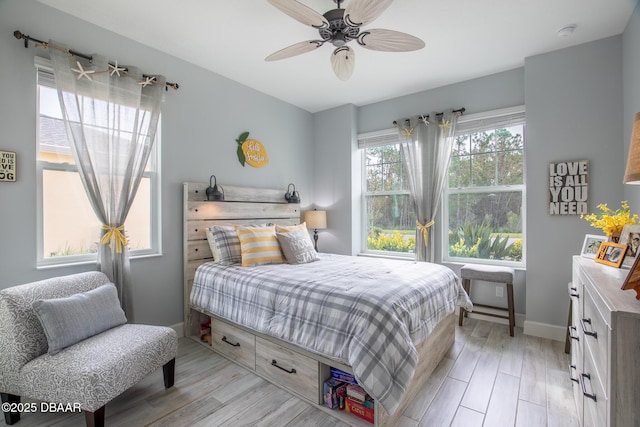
(487, 379)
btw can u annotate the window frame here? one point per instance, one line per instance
(372, 140)
(488, 121)
(153, 172)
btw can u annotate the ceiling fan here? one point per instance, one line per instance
(339, 27)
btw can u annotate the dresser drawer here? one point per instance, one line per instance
(235, 343)
(288, 368)
(596, 335)
(595, 399)
(575, 369)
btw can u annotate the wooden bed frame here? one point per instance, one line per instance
(246, 205)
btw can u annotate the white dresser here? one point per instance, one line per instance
(605, 346)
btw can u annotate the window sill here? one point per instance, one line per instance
(53, 265)
(410, 257)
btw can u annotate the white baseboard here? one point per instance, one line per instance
(545, 330)
(179, 328)
(536, 329)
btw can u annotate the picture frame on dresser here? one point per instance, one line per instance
(611, 254)
(630, 236)
(632, 281)
(591, 245)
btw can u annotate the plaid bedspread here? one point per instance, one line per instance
(365, 312)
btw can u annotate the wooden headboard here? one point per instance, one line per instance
(242, 205)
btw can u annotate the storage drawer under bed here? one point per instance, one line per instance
(288, 368)
(234, 343)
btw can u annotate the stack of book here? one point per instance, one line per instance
(342, 391)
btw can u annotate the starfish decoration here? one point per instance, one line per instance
(82, 73)
(408, 131)
(147, 81)
(115, 69)
(446, 124)
(424, 119)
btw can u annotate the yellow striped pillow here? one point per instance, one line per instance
(259, 245)
(288, 228)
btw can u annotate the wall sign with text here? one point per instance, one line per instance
(7, 166)
(251, 152)
(569, 188)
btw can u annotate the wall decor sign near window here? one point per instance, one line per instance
(569, 188)
(251, 152)
(591, 245)
(7, 166)
(611, 254)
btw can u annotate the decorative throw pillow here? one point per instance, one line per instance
(215, 252)
(297, 247)
(287, 228)
(259, 245)
(67, 321)
(227, 245)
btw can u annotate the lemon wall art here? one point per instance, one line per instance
(251, 151)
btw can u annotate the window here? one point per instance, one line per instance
(483, 207)
(68, 229)
(388, 213)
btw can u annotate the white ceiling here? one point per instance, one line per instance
(464, 39)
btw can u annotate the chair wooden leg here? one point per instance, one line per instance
(96, 418)
(466, 284)
(512, 316)
(169, 372)
(10, 417)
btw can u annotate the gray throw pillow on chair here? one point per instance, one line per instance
(67, 321)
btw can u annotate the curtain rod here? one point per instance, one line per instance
(459, 110)
(18, 35)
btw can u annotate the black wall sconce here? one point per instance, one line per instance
(292, 196)
(213, 193)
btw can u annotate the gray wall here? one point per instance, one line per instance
(333, 162)
(574, 112)
(200, 123)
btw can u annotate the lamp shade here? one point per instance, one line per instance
(316, 220)
(632, 173)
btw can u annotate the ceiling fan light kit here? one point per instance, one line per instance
(339, 27)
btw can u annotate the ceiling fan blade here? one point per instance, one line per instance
(343, 61)
(295, 49)
(301, 13)
(362, 12)
(389, 41)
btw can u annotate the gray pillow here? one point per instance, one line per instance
(227, 244)
(297, 247)
(67, 321)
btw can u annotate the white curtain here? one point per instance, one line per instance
(111, 118)
(426, 143)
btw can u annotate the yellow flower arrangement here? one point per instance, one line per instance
(609, 221)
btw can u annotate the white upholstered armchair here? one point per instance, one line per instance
(65, 340)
